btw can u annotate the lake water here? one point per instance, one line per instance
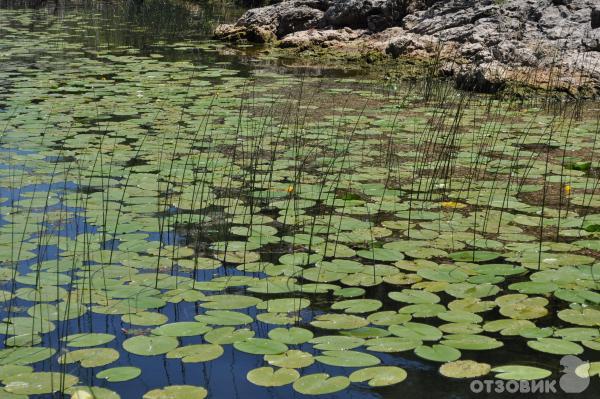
(146, 171)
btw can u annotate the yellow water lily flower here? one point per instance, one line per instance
(290, 189)
(568, 189)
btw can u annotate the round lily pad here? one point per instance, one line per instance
(150, 345)
(196, 353)
(464, 369)
(517, 372)
(269, 377)
(338, 322)
(38, 383)
(177, 392)
(182, 329)
(379, 376)
(292, 359)
(347, 358)
(438, 353)
(291, 336)
(93, 357)
(119, 374)
(320, 384)
(260, 346)
(556, 346)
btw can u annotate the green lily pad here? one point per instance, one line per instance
(22, 356)
(38, 383)
(260, 346)
(416, 331)
(338, 321)
(291, 336)
(228, 335)
(224, 318)
(336, 342)
(269, 377)
(379, 376)
(150, 345)
(520, 373)
(182, 329)
(229, 302)
(414, 296)
(464, 369)
(93, 357)
(177, 392)
(556, 346)
(196, 353)
(320, 384)
(583, 317)
(292, 359)
(347, 358)
(471, 342)
(145, 318)
(284, 305)
(474, 256)
(438, 353)
(588, 370)
(88, 339)
(357, 305)
(119, 374)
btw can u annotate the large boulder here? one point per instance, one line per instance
(267, 23)
(376, 15)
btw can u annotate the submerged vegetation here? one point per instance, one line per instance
(177, 222)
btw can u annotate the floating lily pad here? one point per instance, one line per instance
(150, 345)
(196, 353)
(119, 374)
(260, 346)
(38, 383)
(519, 373)
(94, 357)
(291, 336)
(583, 317)
(357, 305)
(379, 376)
(22, 356)
(177, 392)
(320, 384)
(224, 318)
(228, 335)
(438, 353)
(292, 359)
(556, 346)
(182, 329)
(338, 322)
(145, 318)
(464, 369)
(88, 339)
(416, 331)
(347, 358)
(474, 256)
(269, 377)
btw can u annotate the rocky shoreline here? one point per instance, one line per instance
(484, 45)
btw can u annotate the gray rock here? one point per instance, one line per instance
(483, 44)
(281, 18)
(376, 15)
